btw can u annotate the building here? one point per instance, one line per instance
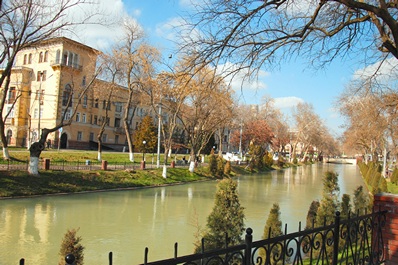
(43, 81)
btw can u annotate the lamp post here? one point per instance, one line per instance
(143, 155)
(159, 125)
(39, 100)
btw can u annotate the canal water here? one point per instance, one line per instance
(125, 222)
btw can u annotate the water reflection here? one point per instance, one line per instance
(125, 222)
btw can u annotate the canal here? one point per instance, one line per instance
(125, 222)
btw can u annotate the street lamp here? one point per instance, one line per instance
(143, 155)
(159, 127)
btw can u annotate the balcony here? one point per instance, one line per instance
(10, 121)
(60, 63)
(118, 130)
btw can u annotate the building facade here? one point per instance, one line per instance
(48, 82)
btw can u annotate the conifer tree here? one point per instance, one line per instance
(272, 228)
(71, 245)
(361, 201)
(146, 131)
(213, 164)
(345, 206)
(226, 218)
(312, 214)
(220, 166)
(329, 202)
(227, 168)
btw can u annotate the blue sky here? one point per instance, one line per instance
(292, 82)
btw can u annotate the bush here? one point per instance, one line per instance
(213, 164)
(220, 166)
(227, 168)
(71, 245)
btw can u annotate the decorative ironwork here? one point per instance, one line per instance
(355, 240)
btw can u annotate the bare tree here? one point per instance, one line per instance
(254, 34)
(136, 59)
(25, 23)
(208, 108)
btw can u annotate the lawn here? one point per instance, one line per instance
(81, 156)
(19, 183)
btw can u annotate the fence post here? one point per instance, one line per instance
(336, 237)
(110, 256)
(21, 261)
(248, 242)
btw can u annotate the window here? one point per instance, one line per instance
(58, 57)
(70, 59)
(79, 136)
(66, 95)
(30, 58)
(11, 95)
(41, 57)
(78, 117)
(96, 103)
(104, 104)
(65, 58)
(84, 81)
(85, 99)
(68, 114)
(36, 114)
(116, 139)
(41, 75)
(25, 59)
(107, 121)
(117, 122)
(91, 137)
(45, 56)
(104, 137)
(10, 110)
(84, 118)
(118, 107)
(95, 119)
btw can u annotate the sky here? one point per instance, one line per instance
(292, 82)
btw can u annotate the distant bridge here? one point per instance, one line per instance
(340, 160)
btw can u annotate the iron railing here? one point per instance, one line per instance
(9, 165)
(357, 240)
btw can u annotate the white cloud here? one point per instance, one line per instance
(102, 29)
(239, 80)
(287, 102)
(383, 72)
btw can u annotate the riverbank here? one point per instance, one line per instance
(16, 184)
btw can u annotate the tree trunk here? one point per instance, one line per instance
(6, 154)
(3, 139)
(164, 173)
(192, 162)
(35, 151)
(99, 147)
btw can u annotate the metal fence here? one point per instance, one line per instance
(78, 165)
(356, 240)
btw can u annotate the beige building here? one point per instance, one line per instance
(42, 82)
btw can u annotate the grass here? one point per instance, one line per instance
(19, 183)
(81, 156)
